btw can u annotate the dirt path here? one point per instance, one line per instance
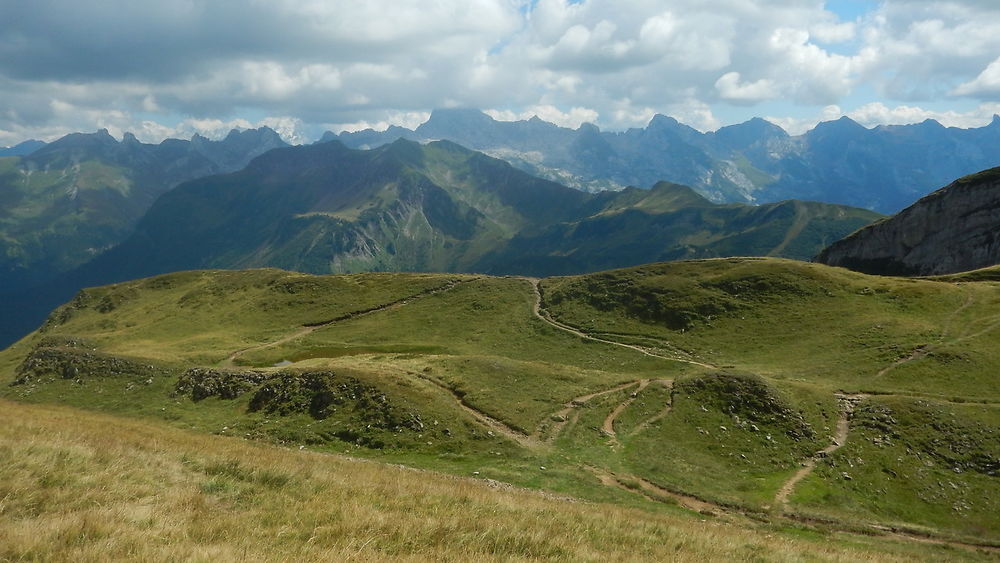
(609, 423)
(312, 327)
(992, 323)
(916, 354)
(654, 492)
(669, 383)
(530, 442)
(568, 416)
(846, 404)
(544, 316)
(969, 300)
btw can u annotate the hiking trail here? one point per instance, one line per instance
(544, 316)
(309, 328)
(846, 404)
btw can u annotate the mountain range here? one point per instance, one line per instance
(22, 149)
(440, 207)
(883, 169)
(65, 202)
(481, 325)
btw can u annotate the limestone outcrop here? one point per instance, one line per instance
(954, 229)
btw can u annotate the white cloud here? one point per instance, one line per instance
(987, 83)
(833, 32)
(360, 63)
(877, 113)
(730, 88)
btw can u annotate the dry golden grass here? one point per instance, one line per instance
(80, 486)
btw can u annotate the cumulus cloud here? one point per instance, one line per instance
(987, 83)
(878, 113)
(160, 67)
(731, 88)
(829, 32)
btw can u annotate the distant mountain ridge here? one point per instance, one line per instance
(954, 229)
(69, 200)
(443, 208)
(884, 168)
(22, 149)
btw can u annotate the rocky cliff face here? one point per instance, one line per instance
(954, 229)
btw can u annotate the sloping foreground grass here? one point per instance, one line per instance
(81, 486)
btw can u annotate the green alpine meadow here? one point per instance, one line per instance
(793, 401)
(502, 280)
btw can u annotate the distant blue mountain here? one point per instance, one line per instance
(22, 149)
(884, 169)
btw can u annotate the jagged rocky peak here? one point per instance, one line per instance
(954, 229)
(262, 133)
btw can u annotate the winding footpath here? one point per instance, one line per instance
(544, 316)
(531, 442)
(991, 323)
(846, 404)
(609, 423)
(306, 329)
(564, 419)
(669, 384)
(570, 414)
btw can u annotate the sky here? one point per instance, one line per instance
(301, 67)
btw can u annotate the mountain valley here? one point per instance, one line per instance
(437, 207)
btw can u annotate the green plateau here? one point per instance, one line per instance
(766, 394)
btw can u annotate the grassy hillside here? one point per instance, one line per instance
(744, 389)
(73, 491)
(672, 222)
